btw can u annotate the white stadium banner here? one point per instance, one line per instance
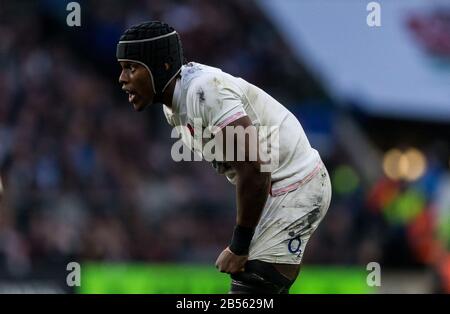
(399, 68)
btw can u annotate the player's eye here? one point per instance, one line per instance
(126, 66)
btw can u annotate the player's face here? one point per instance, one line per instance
(136, 82)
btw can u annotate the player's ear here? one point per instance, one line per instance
(166, 66)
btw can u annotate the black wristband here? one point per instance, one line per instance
(240, 242)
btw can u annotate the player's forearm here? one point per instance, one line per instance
(252, 189)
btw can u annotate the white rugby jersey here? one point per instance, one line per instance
(217, 98)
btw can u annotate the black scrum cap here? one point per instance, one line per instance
(156, 46)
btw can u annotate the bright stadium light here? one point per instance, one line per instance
(409, 165)
(403, 166)
(416, 164)
(391, 164)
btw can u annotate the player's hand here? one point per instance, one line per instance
(230, 263)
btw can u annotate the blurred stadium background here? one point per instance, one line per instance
(88, 180)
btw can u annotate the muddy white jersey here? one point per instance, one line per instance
(215, 98)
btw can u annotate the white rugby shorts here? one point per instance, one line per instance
(288, 220)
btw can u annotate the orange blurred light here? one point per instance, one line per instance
(391, 162)
(409, 165)
(416, 164)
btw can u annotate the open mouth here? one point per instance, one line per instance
(131, 96)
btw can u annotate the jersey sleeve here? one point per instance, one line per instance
(217, 102)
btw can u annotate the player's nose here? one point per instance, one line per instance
(123, 78)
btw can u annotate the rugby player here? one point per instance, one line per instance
(277, 210)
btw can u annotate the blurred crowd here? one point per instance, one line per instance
(87, 178)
